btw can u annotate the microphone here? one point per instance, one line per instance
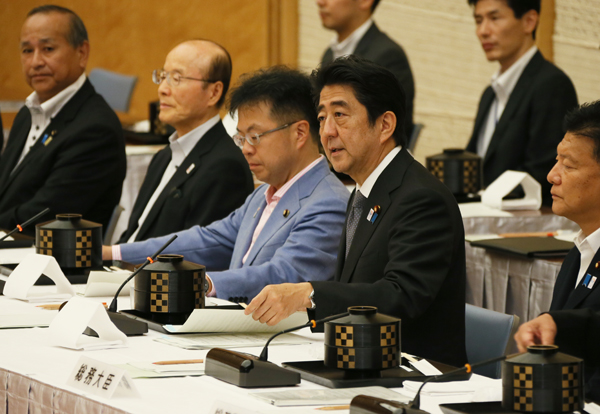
(312, 323)
(20, 227)
(249, 371)
(124, 323)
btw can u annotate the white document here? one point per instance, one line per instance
(468, 210)
(102, 283)
(439, 389)
(3, 233)
(204, 341)
(29, 271)
(508, 181)
(136, 370)
(12, 256)
(188, 369)
(326, 396)
(66, 330)
(40, 319)
(232, 320)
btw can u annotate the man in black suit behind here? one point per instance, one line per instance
(65, 149)
(358, 34)
(201, 176)
(519, 119)
(403, 247)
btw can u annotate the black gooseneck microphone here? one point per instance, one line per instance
(20, 227)
(312, 323)
(150, 259)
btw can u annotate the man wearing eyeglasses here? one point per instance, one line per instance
(66, 149)
(288, 229)
(201, 176)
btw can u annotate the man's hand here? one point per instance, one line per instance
(106, 252)
(539, 331)
(276, 302)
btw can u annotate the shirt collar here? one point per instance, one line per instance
(348, 45)
(593, 241)
(367, 186)
(53, 105)
(272, 195)
(181, 146)
(503, 84)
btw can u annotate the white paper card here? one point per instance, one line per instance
(106, 283)
(99, 378)
(425, 367)
(508, 181)
(232, 320)
(29, 271)
(66, 330)
(225, 407)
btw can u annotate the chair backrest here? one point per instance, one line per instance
(488, 335)
(114, 87)
(414, 137)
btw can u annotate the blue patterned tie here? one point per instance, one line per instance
(358, 204)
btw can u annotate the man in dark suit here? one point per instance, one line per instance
(358, 34)
(201, 176)
(65, 150)
(518, 122)
(403, 246)
(575, 181)
(576, 332)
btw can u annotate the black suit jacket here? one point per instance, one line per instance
(213, 180)
(578, 334)
(377, 47)
(80, 170)
(566, 295)
(530, 127)
(410, 262)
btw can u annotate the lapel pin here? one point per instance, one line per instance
(286, 212)
(190, 168)
(256, 212)
(48, 138)
(589, 281)
(597, 264)
(373, 213)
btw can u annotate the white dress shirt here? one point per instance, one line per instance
(180, 149)
(367, 186)
(42, 114)
(587, 246)
(348, 45)
(503, 85)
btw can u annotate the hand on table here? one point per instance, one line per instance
(539, 331)
(276, 302)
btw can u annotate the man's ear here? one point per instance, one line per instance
(530, 21)
(83, 52)
(302, 129)
(217, 91)
(388, 125)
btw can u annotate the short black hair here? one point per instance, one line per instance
(77, 33)
(287, 91)
(220, 70)
(374, 5)
(585, 121)
(374, 86)
(519, 7)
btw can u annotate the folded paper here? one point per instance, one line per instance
(106, 283)
(18, 285)
(507, 182)
(66, 330)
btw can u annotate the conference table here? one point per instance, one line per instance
(34, 375)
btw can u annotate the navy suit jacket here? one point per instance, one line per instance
(566, 295)
(377, 47)
(297, 244)
(409, 263)
(530, 128)
(80, 170)
(212, 181)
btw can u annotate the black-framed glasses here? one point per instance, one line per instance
(254, 139)
(173, 78)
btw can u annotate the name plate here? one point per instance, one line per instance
(99, 378)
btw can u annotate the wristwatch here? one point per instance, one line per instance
(312, 299)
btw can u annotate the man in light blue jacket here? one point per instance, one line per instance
(289, 229)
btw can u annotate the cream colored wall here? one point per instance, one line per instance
(448, 64)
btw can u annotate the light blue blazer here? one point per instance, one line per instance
(296, 247)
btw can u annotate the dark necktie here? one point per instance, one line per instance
(358, 204)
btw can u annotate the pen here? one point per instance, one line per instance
(179, 362)
(334, 408)
(531, 234)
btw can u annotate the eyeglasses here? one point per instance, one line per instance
(254, 139)
(173, 78)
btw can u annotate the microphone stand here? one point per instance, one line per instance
(20, 227)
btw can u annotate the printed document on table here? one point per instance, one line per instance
(208, 341)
